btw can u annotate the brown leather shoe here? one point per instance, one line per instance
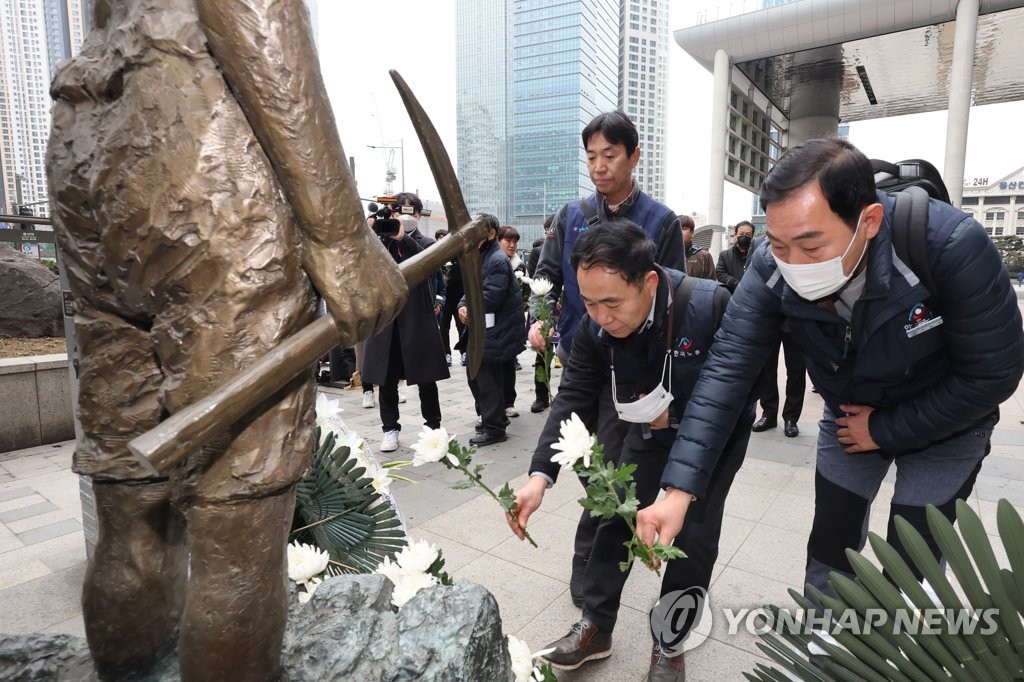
(582, 643)
(665, 668)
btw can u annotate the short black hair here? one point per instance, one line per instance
(489, 221)
(547, 221)
(843, 173)
(508, 232)
(686, 222)
(619, 245)
(441, 232)
(409, 199)
(615, 127)
(539, 241)
(744, 223)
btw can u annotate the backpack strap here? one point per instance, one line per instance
(681, 299)
(910, 222)
(589, 212)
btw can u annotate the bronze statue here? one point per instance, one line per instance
(202, 199)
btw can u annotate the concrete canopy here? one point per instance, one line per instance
(885, 57)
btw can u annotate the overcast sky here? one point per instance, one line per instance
(359, 42)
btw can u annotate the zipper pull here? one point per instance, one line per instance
(847, 337)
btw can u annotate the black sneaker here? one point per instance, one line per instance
(582, 643)
(538, 406)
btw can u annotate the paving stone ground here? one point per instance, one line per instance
(768, 516)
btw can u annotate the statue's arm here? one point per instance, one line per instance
(266, 53)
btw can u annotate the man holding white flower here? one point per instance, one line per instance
(612, 146)
(644, 337)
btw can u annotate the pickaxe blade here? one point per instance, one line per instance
(456, 211)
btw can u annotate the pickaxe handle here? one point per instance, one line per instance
(164, 446)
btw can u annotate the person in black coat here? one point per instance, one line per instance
(733, 262)
(504, 336)
(409, 348)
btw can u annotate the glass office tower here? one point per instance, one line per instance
(530, 75)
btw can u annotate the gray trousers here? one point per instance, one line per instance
(846, 485)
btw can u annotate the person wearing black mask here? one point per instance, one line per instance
(732, 263)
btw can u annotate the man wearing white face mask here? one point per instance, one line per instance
(907, 373)
(646, 332)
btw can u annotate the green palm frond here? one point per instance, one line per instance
(989, 647)
(338, 509)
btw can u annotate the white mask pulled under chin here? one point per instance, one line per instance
(813, 281)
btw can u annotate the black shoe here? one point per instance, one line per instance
(582, 643)
(483, 439)
(341, 383)
(518, 366)
(791, 429)
(538, 406)
(764, 423)
(665, 668)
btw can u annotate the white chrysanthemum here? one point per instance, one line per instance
(522, 661)
(408, 585)
(432, 446)
(310, 588)
(417, 557)
(575, 442)
(540, 286)
(521, 276)
(390, 570)
(327, 412)
(305, 561)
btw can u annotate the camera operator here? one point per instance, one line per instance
(410, 347)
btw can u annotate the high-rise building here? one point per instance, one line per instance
(34, 36)
(529, 75)
(643, 84)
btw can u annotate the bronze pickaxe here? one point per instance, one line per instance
(167, 444)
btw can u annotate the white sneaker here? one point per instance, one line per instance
(401, 398)
(368, 399)
(511, 412)
(390, 441)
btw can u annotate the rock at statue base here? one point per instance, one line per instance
(30, 298)
(347, 631)
(39, 658)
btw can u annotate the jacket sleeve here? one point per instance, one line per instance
(582, 380)
(549, 266)
(723, 273)
(749, 332)
(671, 252)
(981, 327)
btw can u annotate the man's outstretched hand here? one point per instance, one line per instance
(528, 499)
(663, 519)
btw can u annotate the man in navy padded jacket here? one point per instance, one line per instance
(908, 375)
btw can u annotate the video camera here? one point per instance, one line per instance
(386, 218)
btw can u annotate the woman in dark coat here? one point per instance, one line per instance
(409, 348)
(504, 336)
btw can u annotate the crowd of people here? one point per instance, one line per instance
(666, 354)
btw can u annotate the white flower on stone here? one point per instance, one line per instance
(522, 660)
(408, 571)
(305, 562)
(417, 557)
(575, 443)
(408, 585)
(327, 411)
(310, 586)
(540, 286)
(432, 446)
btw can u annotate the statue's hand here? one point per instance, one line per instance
(368, 289)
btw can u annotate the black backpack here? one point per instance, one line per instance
(912, 183)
